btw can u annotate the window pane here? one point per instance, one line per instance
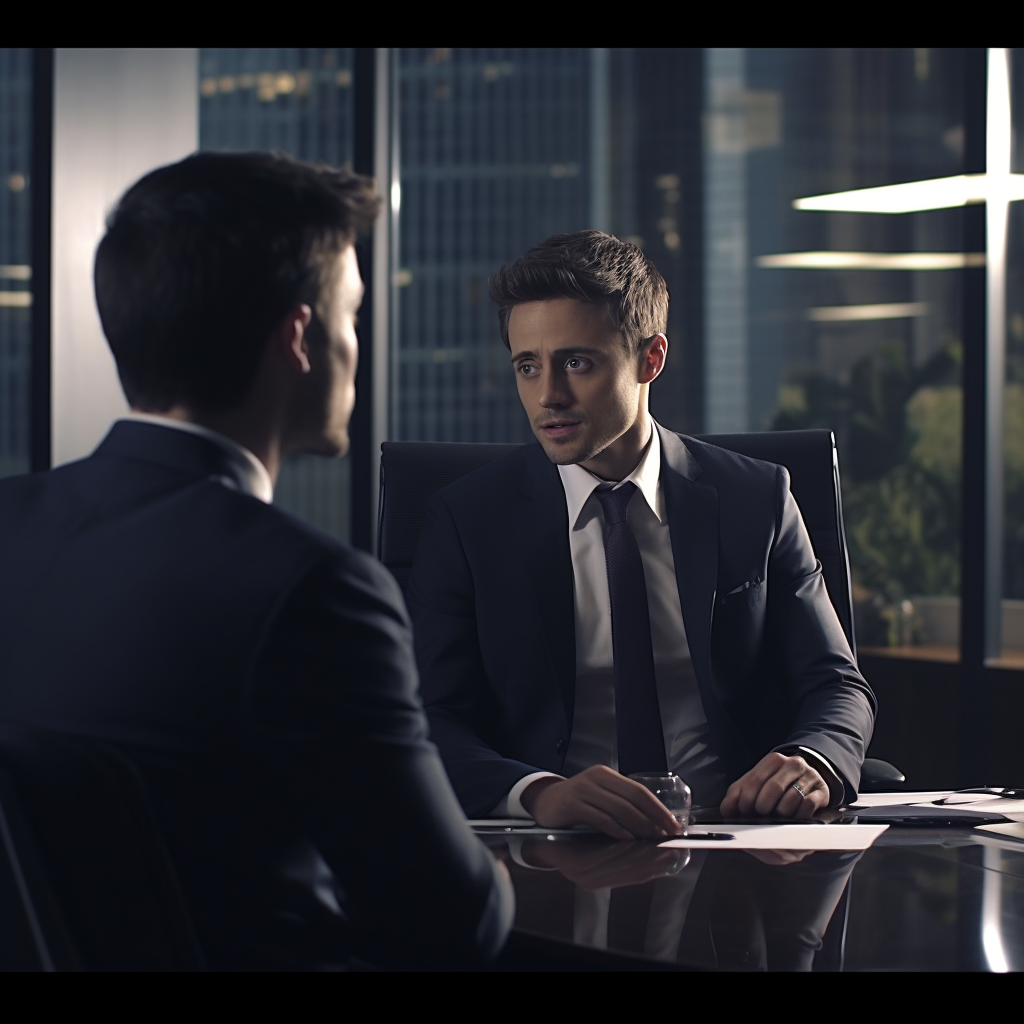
(698, 156)
(501, 148)
(1013, 395)
(297, 101)
(495, 156)
(871, 349)
(15, 258)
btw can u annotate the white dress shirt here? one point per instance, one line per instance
(687, 736)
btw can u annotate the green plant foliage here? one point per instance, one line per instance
(899, 434)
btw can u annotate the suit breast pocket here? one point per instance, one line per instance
(738, 629)
(748, 594)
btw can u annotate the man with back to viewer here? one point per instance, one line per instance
(259, 673)
(757, 700)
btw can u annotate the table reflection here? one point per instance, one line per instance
(756, 910)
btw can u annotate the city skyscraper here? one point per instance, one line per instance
(15, 258)
(500, 148)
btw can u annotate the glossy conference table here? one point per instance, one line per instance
(918, 899)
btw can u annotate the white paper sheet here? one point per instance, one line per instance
(891, 799)
(782, 837)
(749, 837)
(1013, 829)
(1012, 809)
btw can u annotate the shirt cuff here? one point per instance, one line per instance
(510, 807)
(836, 786)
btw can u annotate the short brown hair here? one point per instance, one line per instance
(202, 258)
(590, 266)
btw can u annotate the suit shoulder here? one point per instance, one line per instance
(722, 462)
(491, 483)
(24, 490)
(356, 567)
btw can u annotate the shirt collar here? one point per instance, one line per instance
(245, 471)
(580, 483)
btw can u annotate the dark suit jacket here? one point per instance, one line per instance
(262, 677)
(491, 597)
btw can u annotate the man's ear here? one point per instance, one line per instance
(291, 337)
(653, 354)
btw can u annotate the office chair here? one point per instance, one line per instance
(85, 880)
(410, 471)
(33, 936)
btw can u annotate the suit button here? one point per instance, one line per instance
(559, 745)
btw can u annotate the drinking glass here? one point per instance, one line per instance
(671, 791)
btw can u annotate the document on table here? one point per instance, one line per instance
(892, 799)
(977, 803)
(814, 836)
(1013, 829)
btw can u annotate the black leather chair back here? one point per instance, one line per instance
(84, 872)
(33, 935)
(410, 471)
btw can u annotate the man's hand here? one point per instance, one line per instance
(600, 798)
(778, 784)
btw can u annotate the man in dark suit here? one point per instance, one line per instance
(762, 708)
(259, 673)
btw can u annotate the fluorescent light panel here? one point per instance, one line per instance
(872, 260)
(998, 126)
(878, 311)
(911, 196)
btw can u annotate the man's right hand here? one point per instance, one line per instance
(600, 798)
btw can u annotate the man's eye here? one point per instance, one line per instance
(527, 370)
(577, 363)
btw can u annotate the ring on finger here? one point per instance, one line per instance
(796, 786)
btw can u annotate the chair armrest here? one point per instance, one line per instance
(880, 776)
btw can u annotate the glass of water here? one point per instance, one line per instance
(671, 791)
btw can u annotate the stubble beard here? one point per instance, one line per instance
(568, 455)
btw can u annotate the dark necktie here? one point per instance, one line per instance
(641, 740)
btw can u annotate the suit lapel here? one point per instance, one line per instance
(692, 508)
(549, 567)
